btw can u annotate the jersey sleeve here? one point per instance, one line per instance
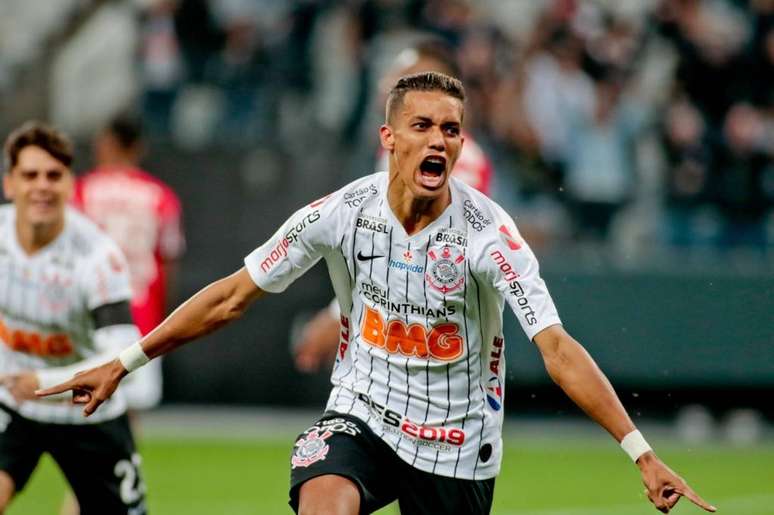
(308, 235)
(105, 276)
(512, 269)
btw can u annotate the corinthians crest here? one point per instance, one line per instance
(445, 272)
(310, 448)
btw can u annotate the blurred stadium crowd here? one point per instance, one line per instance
(626, 124)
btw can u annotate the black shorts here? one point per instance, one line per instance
(345, 446)
(99, 460)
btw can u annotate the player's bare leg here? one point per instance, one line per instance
(329, 495)
(7, 490)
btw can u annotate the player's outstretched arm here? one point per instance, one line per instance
(214, 306)
(573, 369)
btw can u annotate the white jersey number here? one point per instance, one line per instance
(132, 486)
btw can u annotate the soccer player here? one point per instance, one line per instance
(318, 339)
(422, 266)
(143, 215)
(64, 307)
(139, 211)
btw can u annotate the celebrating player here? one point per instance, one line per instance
(64, 307)
(318, 339)
(422, 266)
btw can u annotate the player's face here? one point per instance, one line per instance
(424, 139)
(39, 186)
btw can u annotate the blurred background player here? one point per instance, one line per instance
(143, 215)
(319, 337)
(64, 306)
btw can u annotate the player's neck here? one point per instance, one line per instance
(118, 163)
(34, 237)
(412, 212)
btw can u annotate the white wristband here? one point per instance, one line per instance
(133, 357)
(635, 445)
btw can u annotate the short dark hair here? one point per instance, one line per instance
(423, 81)
(39, 134)
(126, 128)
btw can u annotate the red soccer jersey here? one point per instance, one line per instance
(143, 215)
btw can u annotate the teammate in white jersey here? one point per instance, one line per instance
(422, 267)
(64, 292)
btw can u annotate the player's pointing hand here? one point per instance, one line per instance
(664, 488)
(91, 387)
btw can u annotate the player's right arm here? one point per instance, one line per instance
(301, 241)
(214, 306)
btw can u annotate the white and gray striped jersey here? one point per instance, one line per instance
(46, 301)
(421, 355)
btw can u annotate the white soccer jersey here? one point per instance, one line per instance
(421, 356)
(45, 304)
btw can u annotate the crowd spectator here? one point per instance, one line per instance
(560, 101)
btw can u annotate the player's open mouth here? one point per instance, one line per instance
(431, 171)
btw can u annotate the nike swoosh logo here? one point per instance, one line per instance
(361, 257)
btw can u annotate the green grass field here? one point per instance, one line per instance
(541, 476)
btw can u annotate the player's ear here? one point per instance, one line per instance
(387, 137)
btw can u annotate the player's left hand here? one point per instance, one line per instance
(22, 385)
(663, 487)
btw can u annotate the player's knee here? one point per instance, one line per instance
(329, 495)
